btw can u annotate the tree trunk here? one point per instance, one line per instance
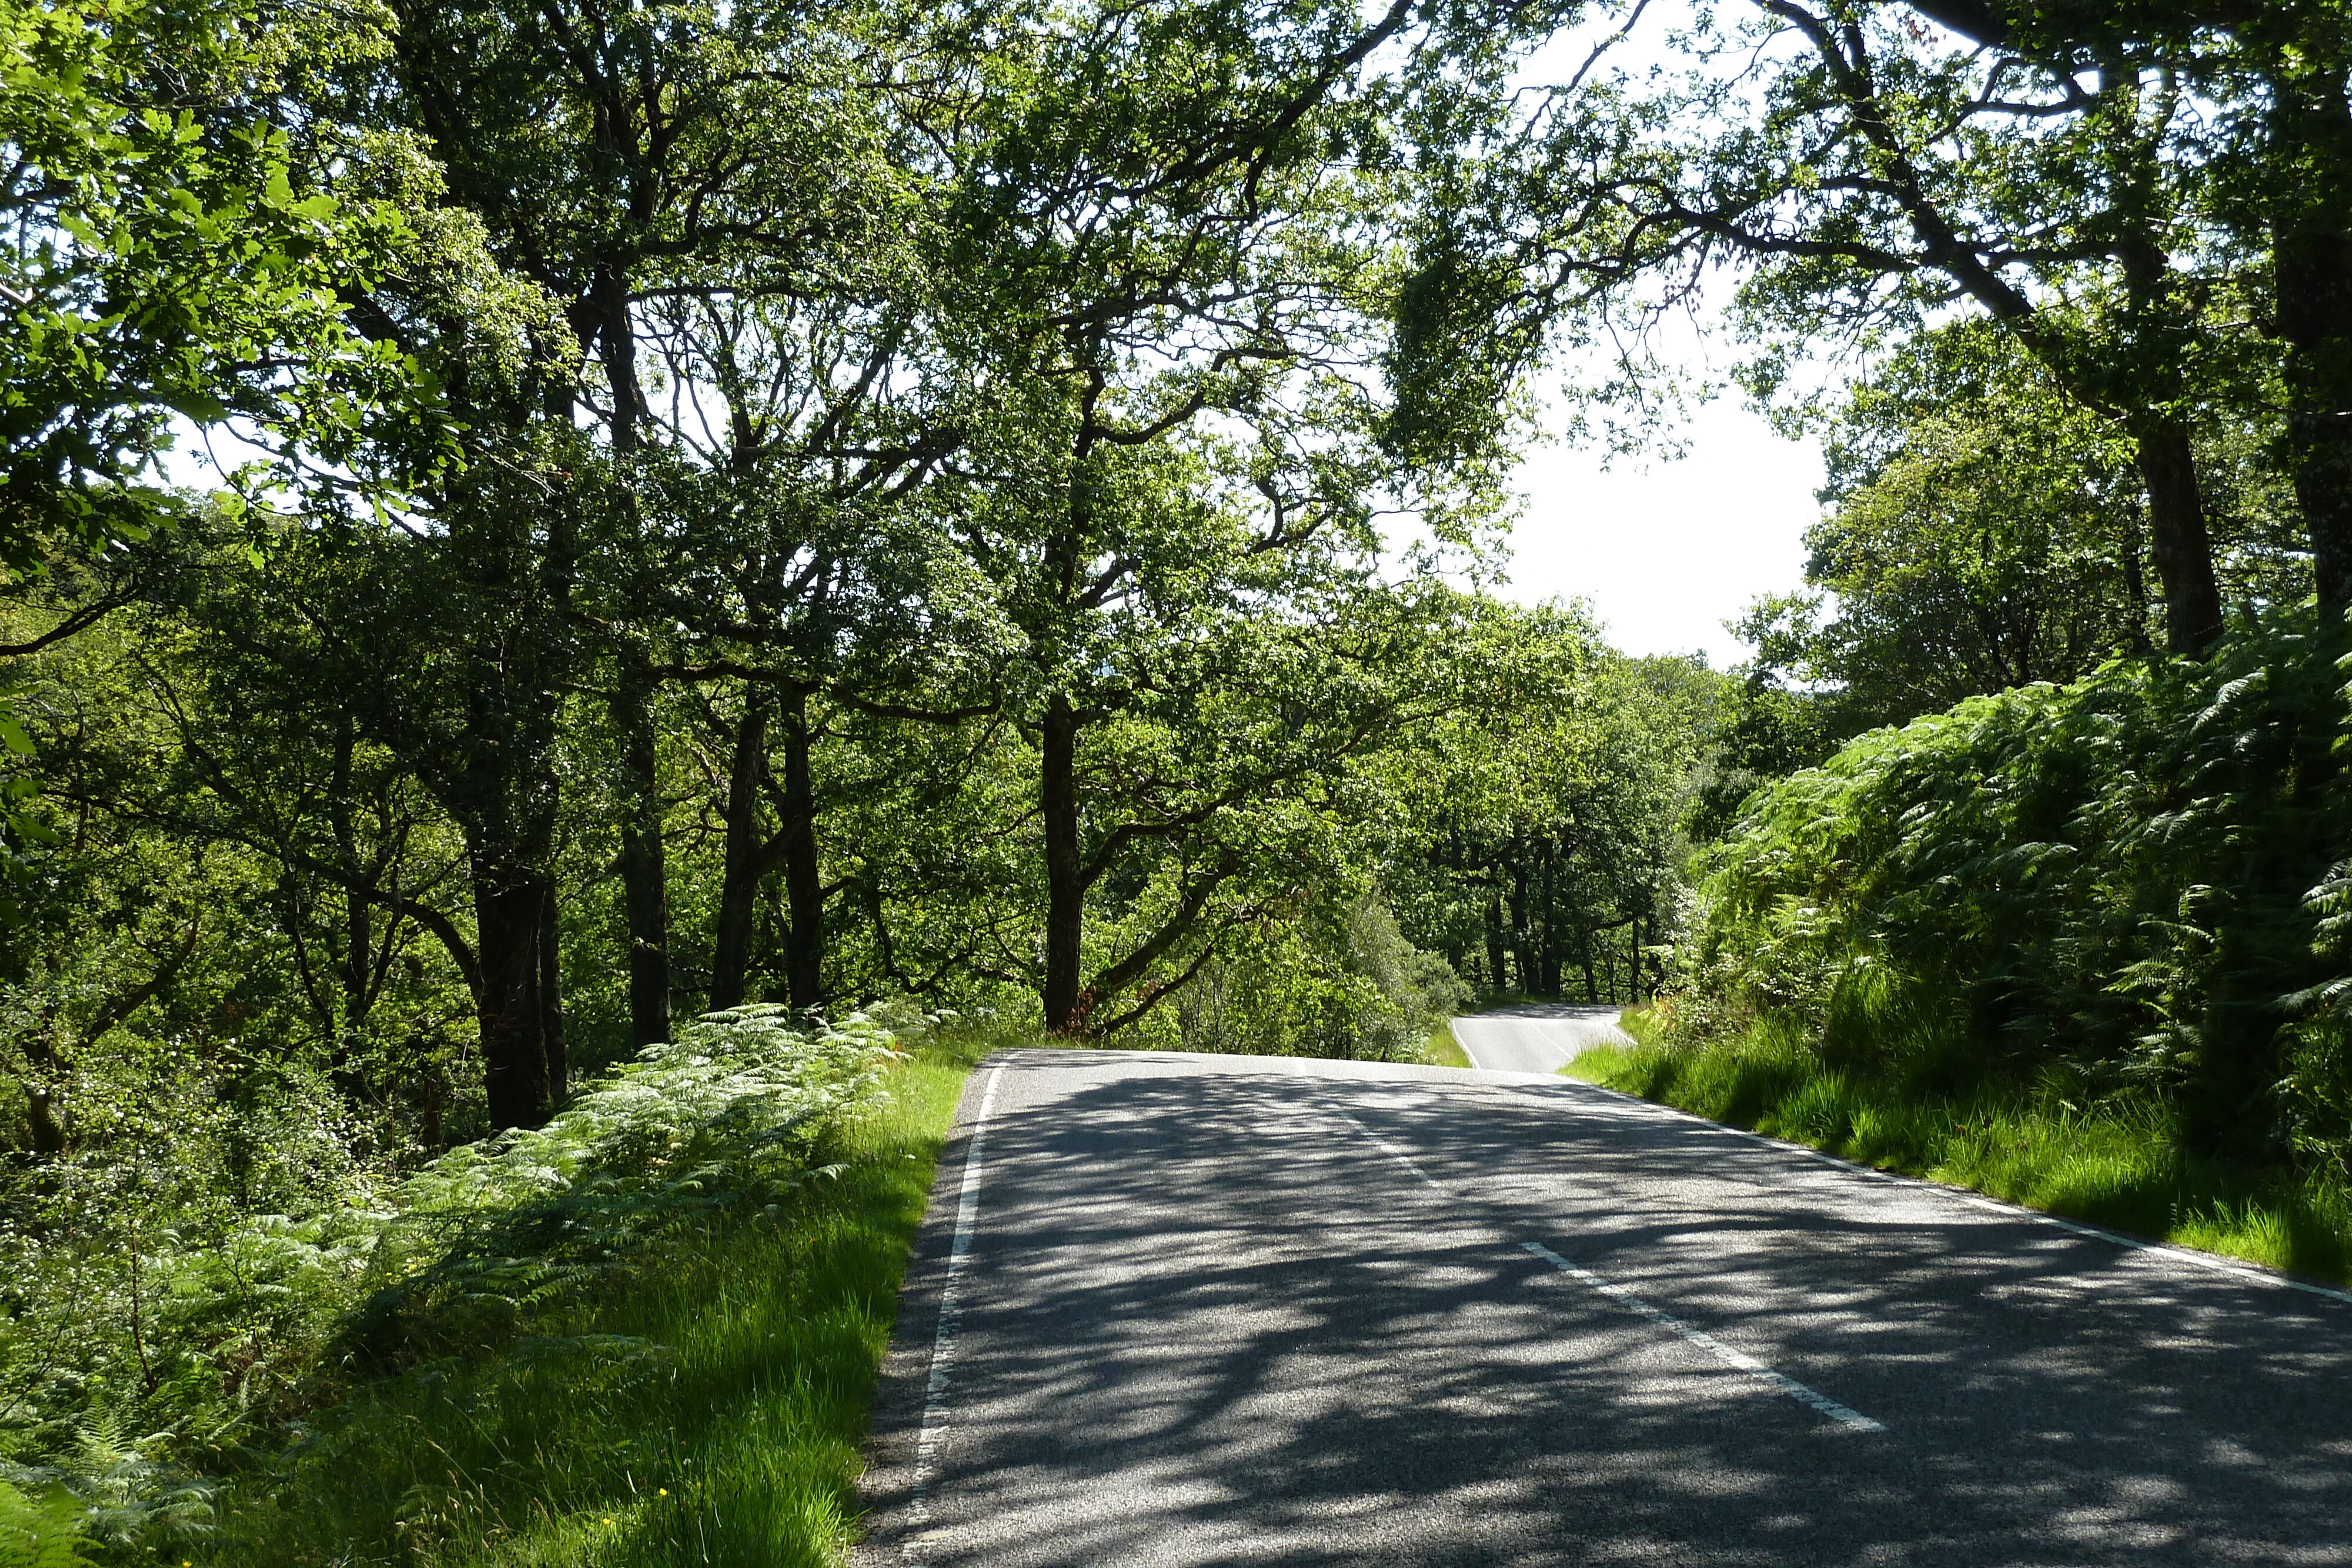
(48, 1132)
(1548, 953)
(357, 967)
(645, 873)
(1495, 941)
(1521, 969)
(1584, 952)
(738, 890)
(2307, 186)
(804, 889)
(1066, 891)
(40, 1113)
(2312, 263)
(550, 997)
(510, 906)
(432, 1097)
(2134, 583)
(2178, 545)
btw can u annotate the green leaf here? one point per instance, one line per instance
(200, 406)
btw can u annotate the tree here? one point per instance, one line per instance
(833, 391)
(1985, 532)
(1172, 270)
(779, 540)
(167, 262)
(258, 898)
(1867, 174)
(2276, 172)
(1543, 840)
(174, 257)
(608, 164)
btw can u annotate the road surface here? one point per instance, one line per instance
(1535, 1036)
(1173, 1308)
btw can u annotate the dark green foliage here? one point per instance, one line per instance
(702, 1406)
(1451, 375)
(174, 256)
(1538, 848)
(1344, 982)
(2121, 881)
(1768, 733)
(1983, 532)
(172, 1304)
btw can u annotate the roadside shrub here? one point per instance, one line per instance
(1346, 984)
(2087, 948)
(726, 1117)
(145, 1343)
(43, 1531)
(2132, 884)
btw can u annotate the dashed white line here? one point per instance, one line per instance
(1854, 1420)
(1390, 1150)
(1851, 1419)
(943, 1344)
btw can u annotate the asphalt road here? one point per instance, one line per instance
(1175, 1309)
(1535, 1036)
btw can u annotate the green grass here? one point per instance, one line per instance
(2119, 1166)
(1444, 1049)
(706, 1410)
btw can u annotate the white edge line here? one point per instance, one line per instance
(943, 1342)
(2251, 1272)
(1854, 1420)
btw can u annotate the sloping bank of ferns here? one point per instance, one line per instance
(646, 1332)
(2087, 946)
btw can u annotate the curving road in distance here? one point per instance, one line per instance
(1535, 1036)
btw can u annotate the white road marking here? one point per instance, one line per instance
(1723, 1353)
(943, 1344)
(1739, 1359)
(1389, 1149)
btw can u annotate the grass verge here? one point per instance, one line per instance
(705, 1410)
(2118, 1166)
(1444, 1049)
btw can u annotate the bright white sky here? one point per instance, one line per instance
(1666, 550)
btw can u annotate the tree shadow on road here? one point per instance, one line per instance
(1210, 1322)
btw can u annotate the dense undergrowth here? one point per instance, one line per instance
(2084, 946)
(646, 1333)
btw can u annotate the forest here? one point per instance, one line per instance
(599, 597)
